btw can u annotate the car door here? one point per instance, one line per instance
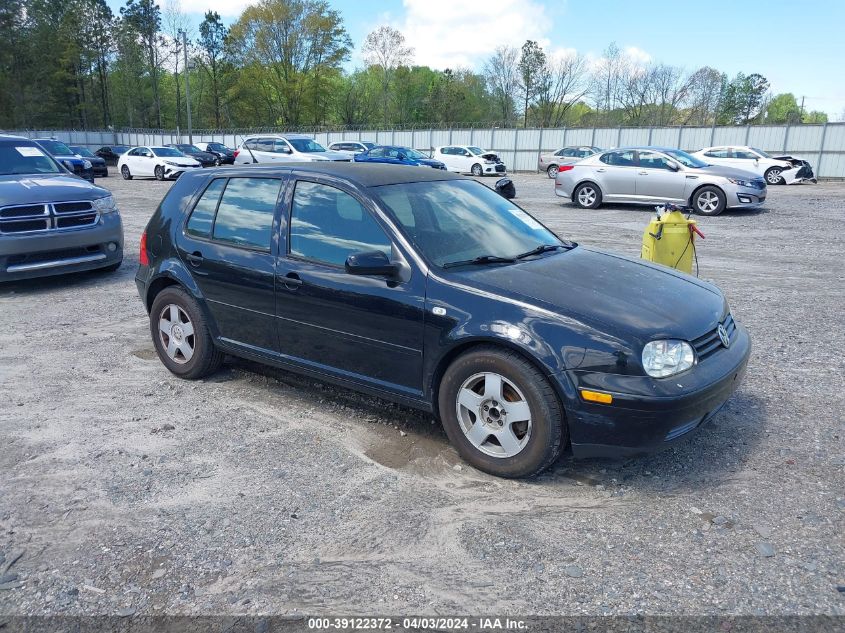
(228, 245)
(617, 174)
(657, 180)
(146, 162)
(360, 326)
(445, 156)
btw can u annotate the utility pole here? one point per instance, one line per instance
(187, 84)
(801, 119)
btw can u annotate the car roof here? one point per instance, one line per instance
(15, 138)
(360, 174)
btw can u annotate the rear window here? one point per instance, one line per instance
(202, 218)
(25, 158)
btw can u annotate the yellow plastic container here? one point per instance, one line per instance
(670, 240)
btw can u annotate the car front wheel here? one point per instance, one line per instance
(181, 335)
(159, 172)
(773, 176)
(477, 170)
(709, 201)
(124, 171)
(501, 413)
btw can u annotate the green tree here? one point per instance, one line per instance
(143, 19)
(783, 108)
(213, 56)
(743, 98)
(532, 59)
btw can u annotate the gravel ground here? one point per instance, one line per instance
(256, 492)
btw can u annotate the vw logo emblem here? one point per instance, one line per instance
(723, 336)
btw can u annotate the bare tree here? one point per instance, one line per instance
(385, 48)
(175, 21)
(670, 86)
(562, 84)
(705, 89)
(608, 78)
(502, 76)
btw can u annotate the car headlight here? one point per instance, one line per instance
(86, 164)
(739, 182)
(105, 205)
(667, 358)
(171, 163)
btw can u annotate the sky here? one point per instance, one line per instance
(798, 45)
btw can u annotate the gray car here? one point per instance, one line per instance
(656, 175)
(52, 221)
(551, 161)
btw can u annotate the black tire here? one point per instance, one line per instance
(124, 171)
(582, 198)
(548, 432)
(206, 357)
(159, 172)
(552, 171)
(477, 170)
(106, 174)
(773, 176)
(704, 202)
(217, 162)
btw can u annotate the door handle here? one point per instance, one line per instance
(195, 259)
(292, 281)
(643, 173)
(601, 170)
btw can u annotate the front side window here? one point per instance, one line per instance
(202, 217)
(457, 220)
(717, 152)
(743, 154)
(245, 213)
(650, 160)
(377, 152)
(328, 225)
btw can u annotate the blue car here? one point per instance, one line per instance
(81, 167)
(396, 155)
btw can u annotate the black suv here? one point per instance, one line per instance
(429, 289)
(52, 222)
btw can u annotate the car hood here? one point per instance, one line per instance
(328, 155)
(726, 172)
(428, 161)
(614, 294)
(203, 156)
(39, 188)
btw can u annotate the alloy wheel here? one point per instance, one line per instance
(586, 196)
(708, 202)
(176, 333)
(773, 176)
(494, 414)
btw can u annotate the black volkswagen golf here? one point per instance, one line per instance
(429, 289)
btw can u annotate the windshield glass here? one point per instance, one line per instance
(458, 220)
(56, 148)
(82, 151)
(761, 152)
(685, 159)
(412, 153)
(306, 145)
(188, 149)
(167, 151)
(476, 150)
(25, 158)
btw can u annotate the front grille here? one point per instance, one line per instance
(46, 256)
(710, 343)
(15, 220)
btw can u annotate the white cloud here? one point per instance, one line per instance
(455, 33)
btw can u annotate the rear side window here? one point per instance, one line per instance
(624, 158)
(202, 218)
(328, 225)
(245, 213)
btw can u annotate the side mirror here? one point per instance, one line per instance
(673, 165)
(370, 263)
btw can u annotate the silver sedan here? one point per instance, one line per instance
(656, 175)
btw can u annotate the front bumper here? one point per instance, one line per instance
(649, 414)
(744, 197)
(60, 252)
(174, 171)
(497, 169)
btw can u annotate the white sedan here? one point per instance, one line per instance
(468, 159)
(154, 162)
(777, 170)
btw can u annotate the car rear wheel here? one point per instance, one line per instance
(552, 171)
(501, 413)
(124, 171)
(477, 170)
(159, 172)
(181, 335)
(773, 176)
(587, 196)
(217, 162)
(709, 201)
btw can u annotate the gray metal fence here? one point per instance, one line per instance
(823, 145)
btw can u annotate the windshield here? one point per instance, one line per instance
(761, 152)
(188, 149)
(476, 150)
(56, 148)
(685, 159)
(82, 151)
(306, 145)
(23, 157)
(167, 151)
(457, 220)
(412, 153)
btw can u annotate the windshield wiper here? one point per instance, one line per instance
(542, 248)
(480, 261)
